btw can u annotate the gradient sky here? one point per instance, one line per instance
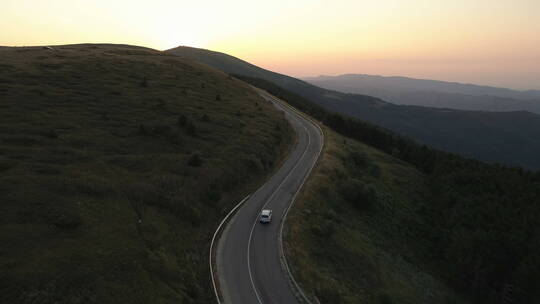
(494, 42)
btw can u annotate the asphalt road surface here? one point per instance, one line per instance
(247, 256)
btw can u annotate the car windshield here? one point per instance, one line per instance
(264, 215)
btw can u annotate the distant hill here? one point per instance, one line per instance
(413, 84)
(511, 138)
(233, 65)
(432, 93)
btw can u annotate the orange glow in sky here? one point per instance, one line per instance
(494, 42)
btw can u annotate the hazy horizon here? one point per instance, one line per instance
(484, 43)
(410, 77)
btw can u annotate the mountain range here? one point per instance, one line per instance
(511, 138)
(432, 93)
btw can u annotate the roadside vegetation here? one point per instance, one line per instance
(116, 165)
(387, 220)
(349, 238)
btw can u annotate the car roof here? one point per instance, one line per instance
(266, 211)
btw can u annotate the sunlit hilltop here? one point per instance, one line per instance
(485, 42)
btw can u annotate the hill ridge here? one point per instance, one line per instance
(511, 138)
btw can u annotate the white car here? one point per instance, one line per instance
(266, 216)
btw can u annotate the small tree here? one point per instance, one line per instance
(52, 134)
(363, 196)
(182, 120)
(359, 159)
(195, 160)
(142, 130)
(144, 82)
(190, 128)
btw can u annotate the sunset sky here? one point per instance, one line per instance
(494, 42)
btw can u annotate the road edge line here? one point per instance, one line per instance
(283, 258)
(264, 205)
(225, 220)
(216, 292)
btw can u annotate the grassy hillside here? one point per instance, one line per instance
(349, 234)
(511, 138)
(230, 64)
(116, 165)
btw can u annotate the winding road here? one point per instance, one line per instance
(250, 269)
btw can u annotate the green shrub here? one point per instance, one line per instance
(144, 82)
(359, 159)
(147, 193)
(352, 190)
(323, 228)
(190, 128)
(362, 196)
(328, 292)
(6, 164)
(93, 186)
(52, 134)
(64, 215)
(182, 120)
(162, 130)
(385, 298)
(142, 130)
(195, 160)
